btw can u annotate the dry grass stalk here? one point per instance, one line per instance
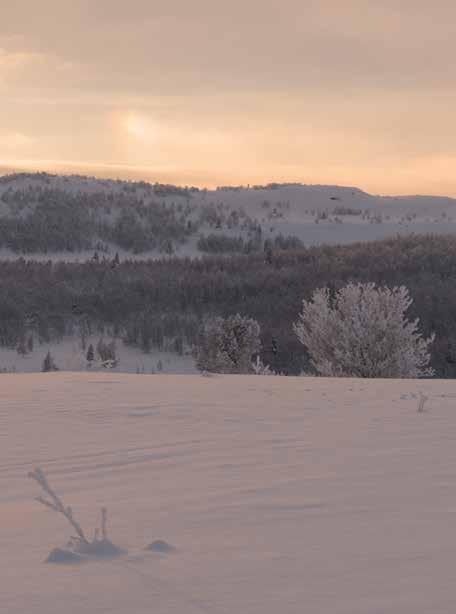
(421, 402)
(56, 503)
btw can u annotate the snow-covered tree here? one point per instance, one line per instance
(226, 345)
(107, 353)
(363, 331)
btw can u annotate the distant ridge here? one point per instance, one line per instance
(73, 216)
(16, 174)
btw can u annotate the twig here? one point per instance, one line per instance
(56, 503)
(104, 521)
(422, 401)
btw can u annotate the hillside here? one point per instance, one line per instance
(279, 494)
(71, 217)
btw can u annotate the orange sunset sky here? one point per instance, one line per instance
(207, 92)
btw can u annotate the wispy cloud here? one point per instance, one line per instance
(357, 91)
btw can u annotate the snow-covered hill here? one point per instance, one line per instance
(315, 214)
(282, 495)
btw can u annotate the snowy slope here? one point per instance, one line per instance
(69, 356)
(282, 209)
(285, 495)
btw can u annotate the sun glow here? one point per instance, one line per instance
(140, 128)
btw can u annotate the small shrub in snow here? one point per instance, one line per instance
(79, 546)
(363, 332)
(226, 345)
(259, 368)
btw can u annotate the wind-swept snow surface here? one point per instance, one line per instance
(276, 495)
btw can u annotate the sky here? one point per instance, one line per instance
(350, 92)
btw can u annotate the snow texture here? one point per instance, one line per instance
(285, 495)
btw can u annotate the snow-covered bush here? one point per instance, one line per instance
(363, 331)
(259, 368)
(226, 345)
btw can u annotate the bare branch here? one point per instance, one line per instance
(104, 521)
(56, 503)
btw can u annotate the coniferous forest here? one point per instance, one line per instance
(161, 303)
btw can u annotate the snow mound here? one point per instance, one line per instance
(64, 556)
(101, 549)
(160, 546)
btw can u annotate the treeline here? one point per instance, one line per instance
(162, 303)
(226, 244)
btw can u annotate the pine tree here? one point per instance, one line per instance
(21, 349)
(90, 357)
(49, 364)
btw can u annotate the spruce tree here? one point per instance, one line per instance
(21, 349)
(90, 357)
(49, 364)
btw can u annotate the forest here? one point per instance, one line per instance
(136, 217)
(161, 303)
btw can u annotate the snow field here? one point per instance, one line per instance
(285, 495)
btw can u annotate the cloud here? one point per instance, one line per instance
(237, 88)
(153, 47)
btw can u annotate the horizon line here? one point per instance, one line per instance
(46, 167)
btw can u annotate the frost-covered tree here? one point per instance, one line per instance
(107, 351)
(363, 331)
(226, 345)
